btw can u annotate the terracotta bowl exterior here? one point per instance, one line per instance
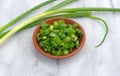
(50, 21)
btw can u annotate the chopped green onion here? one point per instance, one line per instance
(58, 43)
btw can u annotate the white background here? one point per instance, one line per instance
(18, 57)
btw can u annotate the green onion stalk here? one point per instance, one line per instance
(66, 15)
(25, 14)
(70, 10)
(22, 25)
(106, 28)
(61, 4)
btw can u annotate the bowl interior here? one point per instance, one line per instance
(50, 21)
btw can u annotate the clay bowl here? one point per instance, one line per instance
(50, 21)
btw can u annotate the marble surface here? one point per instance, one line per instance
(18, 57)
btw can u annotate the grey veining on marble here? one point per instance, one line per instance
(18, 57)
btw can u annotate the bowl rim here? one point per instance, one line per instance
(49, 21)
